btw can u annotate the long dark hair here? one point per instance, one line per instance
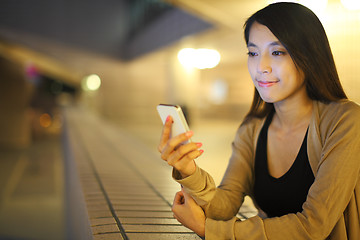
(302, 34)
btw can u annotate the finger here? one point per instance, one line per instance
(182, 137)
(179, 164)
(181, 151)
(177, 204)
(179, 198)
(174, 143)
(193, 155)
(165, 134)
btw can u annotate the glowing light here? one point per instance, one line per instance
(185, 57)
(218, 91)
(199, 58)
(351, 4)
(317, 6)
(45, 120)
(91, 83)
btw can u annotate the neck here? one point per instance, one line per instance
(292, 115)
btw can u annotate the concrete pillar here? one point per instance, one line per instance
(15, 93)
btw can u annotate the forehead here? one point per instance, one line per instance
(261, 35)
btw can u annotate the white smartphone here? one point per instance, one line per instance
(179, 125)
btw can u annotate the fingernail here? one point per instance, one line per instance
(201, 151)
(189, 133)
(168, 118)
(199, 144)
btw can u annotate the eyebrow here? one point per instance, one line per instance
(276, 43)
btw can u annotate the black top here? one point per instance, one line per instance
(284, 195)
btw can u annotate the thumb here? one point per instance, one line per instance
(179, 198)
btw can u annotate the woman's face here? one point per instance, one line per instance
(271, 68)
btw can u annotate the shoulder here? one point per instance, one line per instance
(338, 111)
(341, 105)
(331, 124)
(344, 115)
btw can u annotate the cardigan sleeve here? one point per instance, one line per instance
(223, 202)
(336, 177)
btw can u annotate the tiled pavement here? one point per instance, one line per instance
(127, 189)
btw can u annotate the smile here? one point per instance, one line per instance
(266, 84)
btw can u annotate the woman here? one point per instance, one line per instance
(297, 153)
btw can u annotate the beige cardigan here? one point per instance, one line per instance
(332, 207)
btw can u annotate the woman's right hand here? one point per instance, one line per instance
(189, 213)
(175, 153)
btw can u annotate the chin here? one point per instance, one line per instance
(268, 99)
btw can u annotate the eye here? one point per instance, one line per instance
(278, 53)
(252, 54)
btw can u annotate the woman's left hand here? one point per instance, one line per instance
(189, 213)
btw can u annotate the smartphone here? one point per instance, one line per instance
(179, 122)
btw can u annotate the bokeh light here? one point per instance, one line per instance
(201, 58)
(351, 4)
(91, 83)
(317, 6)
(45, 120)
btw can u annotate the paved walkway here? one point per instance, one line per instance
(32, 192)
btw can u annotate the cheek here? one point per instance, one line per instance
(295, 77)
(300, 77)
(288, 70)
(251, 69)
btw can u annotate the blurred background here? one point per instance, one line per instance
(118, 59)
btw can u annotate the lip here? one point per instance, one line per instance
(266, 84)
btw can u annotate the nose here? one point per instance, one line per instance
(264, 64)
